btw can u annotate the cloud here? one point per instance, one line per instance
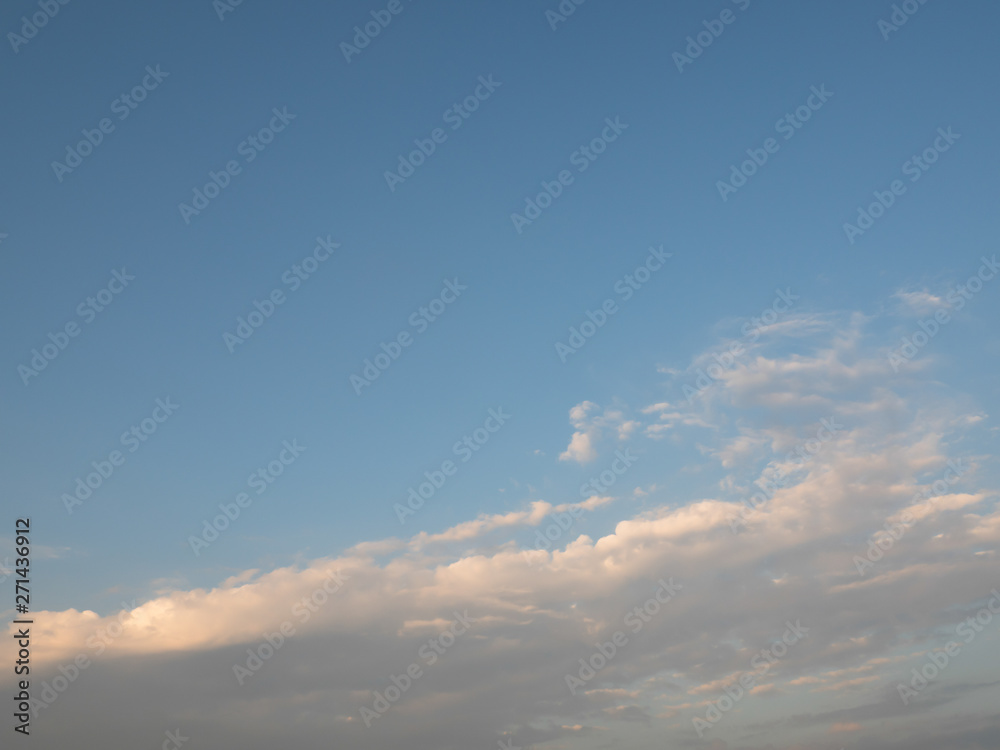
(580, 448)
(845, 727)
(849, 684)
(590, 425)
(534, 619)
(918, 302)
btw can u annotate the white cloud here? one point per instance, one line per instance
(590, 424)
(536, 617)
(918, 302)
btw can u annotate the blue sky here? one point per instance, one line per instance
(323, 176)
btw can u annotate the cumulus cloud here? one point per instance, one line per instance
(536, 613)
(590, 424)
